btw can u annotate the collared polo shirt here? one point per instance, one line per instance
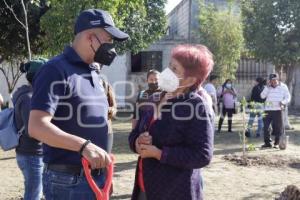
(64, 87)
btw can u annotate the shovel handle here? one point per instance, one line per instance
(101, 194)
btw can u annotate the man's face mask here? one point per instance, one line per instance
(105, 54)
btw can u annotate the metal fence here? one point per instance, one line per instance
(249, 69)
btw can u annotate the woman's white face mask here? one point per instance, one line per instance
(168, 80)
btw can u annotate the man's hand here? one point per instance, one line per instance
(282, 105)
(145, 138)
(97, 157)
(111, 112)
(150, 151)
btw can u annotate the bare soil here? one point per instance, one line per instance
(266, 160)
(264, 178)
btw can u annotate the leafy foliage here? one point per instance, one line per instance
(143, 20)
(221, 31)
(272, 30)
(13, 35)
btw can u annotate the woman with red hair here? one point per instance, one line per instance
(178, 140)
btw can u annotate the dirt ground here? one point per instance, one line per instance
(223, 180)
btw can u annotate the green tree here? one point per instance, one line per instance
(20, 33)
(272, 33)
(144, 20)
(13, 34)
(221, 31)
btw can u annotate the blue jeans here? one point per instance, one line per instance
(260, 123)
(32, 169)
(64, 186)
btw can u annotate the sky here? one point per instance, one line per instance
(171, 4)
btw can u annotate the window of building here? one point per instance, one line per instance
(146, 60)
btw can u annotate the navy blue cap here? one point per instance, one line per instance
(96, 18)
(273, 76)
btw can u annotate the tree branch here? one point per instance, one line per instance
(16, 79)
(25, 8)
(5, 76)
(12, 70)
(12, 11)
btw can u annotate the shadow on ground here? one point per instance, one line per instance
(119, 167)
(8, 158)
(125, 196)
(256, 196)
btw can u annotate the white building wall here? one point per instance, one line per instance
(116, 75)
(4, 87)
(178, 20)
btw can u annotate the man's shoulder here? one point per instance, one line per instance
(257, 88)
(57, 62)
(284, 86)
(55, 66)
(209, 87)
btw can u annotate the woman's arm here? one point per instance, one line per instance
(112, 110)
(136, 138)
(198, 149)
(132, 139)
(1, 101)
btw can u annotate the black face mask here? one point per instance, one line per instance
(153, 86)
(105, 54)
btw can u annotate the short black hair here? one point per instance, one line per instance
(152, 71)
(259, 79)
(213, 77)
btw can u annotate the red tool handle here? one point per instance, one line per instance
(104, 193)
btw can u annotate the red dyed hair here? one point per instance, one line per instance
(196, 60)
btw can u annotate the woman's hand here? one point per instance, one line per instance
(230, 91)
(145, 138)
(150, 151)
(137, 146)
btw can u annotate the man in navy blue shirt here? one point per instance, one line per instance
(69, 108)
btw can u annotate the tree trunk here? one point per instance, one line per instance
(25, 8)
(290, 81)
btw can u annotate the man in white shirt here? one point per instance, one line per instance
(277, 97)
(211, 90)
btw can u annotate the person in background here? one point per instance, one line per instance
(256, 105)
(210, 88)
(112, 111)
(112, 103)
(277, 97)
(1, 102)
(227, 96)
(29, 153)
(178, 140)
(143, 96)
